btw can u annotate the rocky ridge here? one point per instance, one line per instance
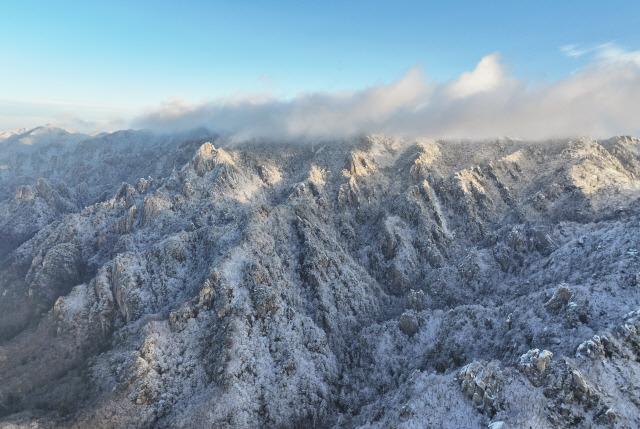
(193, 281)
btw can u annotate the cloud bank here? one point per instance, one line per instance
(600, 99)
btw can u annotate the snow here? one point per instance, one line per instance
(244, 291)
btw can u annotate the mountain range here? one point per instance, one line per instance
(192, 280)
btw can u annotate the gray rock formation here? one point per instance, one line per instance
(191, 281)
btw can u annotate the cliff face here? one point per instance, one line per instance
(373, 282)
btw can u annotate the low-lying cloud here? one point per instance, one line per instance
(600, 99)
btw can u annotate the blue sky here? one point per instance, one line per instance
(102, 63)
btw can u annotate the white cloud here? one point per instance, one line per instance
(487, 76)
(600, 99)
(612, 54)
(576, 51)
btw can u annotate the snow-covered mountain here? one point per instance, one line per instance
(191, 281)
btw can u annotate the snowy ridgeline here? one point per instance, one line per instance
(191, 281)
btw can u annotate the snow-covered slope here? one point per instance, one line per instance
(48, 172)
(371, 282)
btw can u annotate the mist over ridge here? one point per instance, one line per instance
(598, 100)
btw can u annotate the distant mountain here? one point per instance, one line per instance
(191, 281)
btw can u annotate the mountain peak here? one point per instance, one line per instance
(50, 129)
